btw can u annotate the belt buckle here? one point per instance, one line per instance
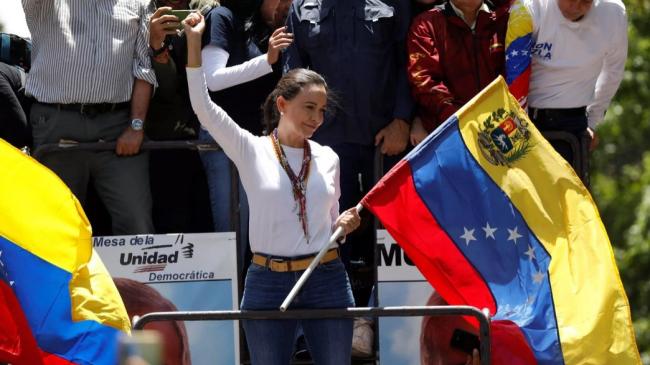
(270, 260)
(88, 110)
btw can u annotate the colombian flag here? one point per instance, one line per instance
(494, 218)
(519, 44)
(54, 286)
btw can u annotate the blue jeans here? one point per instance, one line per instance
(270, 342)
(219, 176)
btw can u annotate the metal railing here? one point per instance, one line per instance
(64, 145)
(414, 311)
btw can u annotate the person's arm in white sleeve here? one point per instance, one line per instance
(219, 77)
(610, 76)
(235, 141)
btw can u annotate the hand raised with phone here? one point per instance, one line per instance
(161, 24)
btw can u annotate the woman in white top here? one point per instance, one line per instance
(241, 46)
(293, 190)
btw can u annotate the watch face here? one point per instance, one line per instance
(137, 124)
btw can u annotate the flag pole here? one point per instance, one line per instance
(305, 275)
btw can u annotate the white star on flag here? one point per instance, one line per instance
(468, 236)
(513, 234)
(538, 277)
(530, 253)
(514, 53)
(489, 231)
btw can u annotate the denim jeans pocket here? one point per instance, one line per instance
(331, 266)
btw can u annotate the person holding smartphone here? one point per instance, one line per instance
(293, 189)
(176, 175)
(240, 48)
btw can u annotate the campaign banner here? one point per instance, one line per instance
(192, 271)
(399, 283)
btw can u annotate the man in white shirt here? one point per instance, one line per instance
(91, 79)
(578, 53)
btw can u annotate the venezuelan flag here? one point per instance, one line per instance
(519, 44)
(69, 300)
(494, 218)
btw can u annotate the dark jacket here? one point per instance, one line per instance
(359, 48)
(449, 63)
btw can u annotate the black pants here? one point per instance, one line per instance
(573, 121)
(13, 117)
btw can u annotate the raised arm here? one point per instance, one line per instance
(220, 40)
(219, 77)
(235, 141)
(161, 25)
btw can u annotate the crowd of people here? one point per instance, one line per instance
(300, 96)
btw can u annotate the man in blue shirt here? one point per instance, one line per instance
(359, 47)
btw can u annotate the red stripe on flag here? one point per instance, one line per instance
(509, 346)
(17, 344)
(51, 359)
(519, 86)
(402, 212)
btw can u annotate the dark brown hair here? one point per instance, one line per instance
(288, 87)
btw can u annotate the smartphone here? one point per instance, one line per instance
(465, 341)
(181, 15)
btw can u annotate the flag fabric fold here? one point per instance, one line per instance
(71, 306)
(493, 217)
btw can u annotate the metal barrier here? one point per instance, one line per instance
(110, 146)
(483, 319)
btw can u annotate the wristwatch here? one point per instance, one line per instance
(157, 52)
(137, 124)
(164, 45)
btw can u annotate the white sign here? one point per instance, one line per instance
(194, 272)
(400, 283)
(393, 264)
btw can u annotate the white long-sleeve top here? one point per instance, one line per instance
(274, 225)
(219, 77)
(577, 64)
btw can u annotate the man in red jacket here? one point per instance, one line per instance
(455, 50)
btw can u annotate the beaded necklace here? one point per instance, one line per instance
(298, 183)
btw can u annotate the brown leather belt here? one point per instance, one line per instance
(286, 265)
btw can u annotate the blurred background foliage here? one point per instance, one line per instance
(620, 173)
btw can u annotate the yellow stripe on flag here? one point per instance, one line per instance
(95, 297)
(592, 310)
(30, 197)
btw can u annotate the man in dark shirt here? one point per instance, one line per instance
(359, 47)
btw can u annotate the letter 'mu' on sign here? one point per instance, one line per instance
(393, 264)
